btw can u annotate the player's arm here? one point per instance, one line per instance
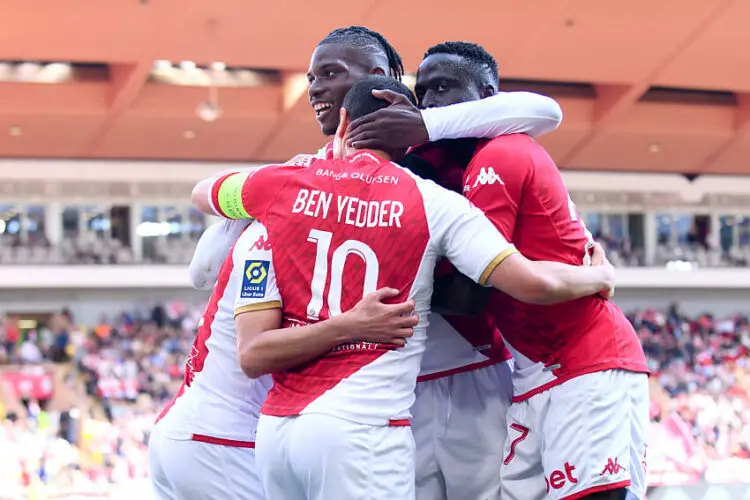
(240, 195)
(403, 125)
(211, 250)
(264, 347)
(541, 282)
(478, 250)
(501, 114)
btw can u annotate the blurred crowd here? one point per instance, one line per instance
(121, 373)
(703, 373)
(127, 367)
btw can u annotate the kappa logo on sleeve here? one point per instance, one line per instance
(254, 279)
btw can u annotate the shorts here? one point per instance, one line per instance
(191, 470)
(459, 429)
(321, 457)
(581, 437)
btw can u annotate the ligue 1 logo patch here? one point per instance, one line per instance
(254, 279)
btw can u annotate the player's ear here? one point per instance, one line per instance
(339, 140)
(378, 71)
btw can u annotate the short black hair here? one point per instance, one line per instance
(360, 102)
(361, 37)
(476, 55)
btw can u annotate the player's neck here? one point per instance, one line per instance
(377, 152)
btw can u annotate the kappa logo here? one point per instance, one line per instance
(612, 468)
(261, 244)
(487, 175)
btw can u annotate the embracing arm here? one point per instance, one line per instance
(403, 125)
(501, 114)
(264, 347)
(211, 250)
(546, 283)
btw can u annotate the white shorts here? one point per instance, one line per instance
(578, 438)
(320, 457)
(191, 470)
(459, 429)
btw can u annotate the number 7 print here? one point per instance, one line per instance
(524, 434)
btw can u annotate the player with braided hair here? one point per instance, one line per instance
(359, 36)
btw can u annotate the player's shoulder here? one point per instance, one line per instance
(253, 238)
(515, 146)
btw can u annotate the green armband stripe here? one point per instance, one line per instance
(230, 197)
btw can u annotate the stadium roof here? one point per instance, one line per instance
(645, 85)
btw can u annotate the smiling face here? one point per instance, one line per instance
(334, 69)
(445, 79)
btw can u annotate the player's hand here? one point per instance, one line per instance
(599, 258)
(400, 125)
(372, 320)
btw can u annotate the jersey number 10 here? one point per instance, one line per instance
(322, 239)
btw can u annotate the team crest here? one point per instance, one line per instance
(254, 279)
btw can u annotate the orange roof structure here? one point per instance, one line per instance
(644, 85)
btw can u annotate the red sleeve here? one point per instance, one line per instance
(249, 194)
(494, 180)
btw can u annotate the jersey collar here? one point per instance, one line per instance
(366, 157)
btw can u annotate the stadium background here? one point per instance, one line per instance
(109, 111)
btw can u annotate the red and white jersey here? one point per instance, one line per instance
(518, 186)
(344, 228)
(217, 402)
(455, 344)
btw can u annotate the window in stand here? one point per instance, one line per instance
(743, 227)
(97, 222)
(196, 223)
(71, 218)
(617, 227)
(726, 232)
(149, 230)
(10, 225)
(683, 228)
(35, 225)
(664, 229)
(173, 217)
(593, 223)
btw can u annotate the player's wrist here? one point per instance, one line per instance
(342, 328)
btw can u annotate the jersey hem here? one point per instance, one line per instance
(202, 438)
(597, 489)
(461, 369)
(628, 367)
(402, 421)
(261, 306)
(496, 262)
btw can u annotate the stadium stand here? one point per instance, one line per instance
(123, 369)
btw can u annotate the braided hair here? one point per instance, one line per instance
(361, 37)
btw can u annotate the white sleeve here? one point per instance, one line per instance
(211, 251)
(258, 289)
(464, 235)
(504, 113)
